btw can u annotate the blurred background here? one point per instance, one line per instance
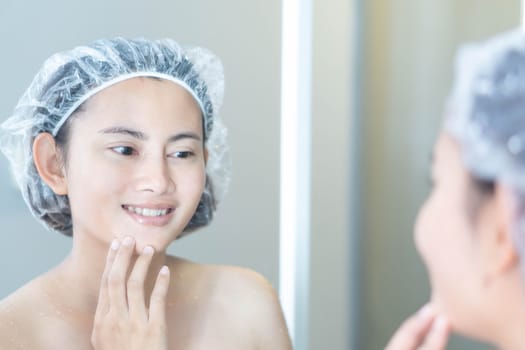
(407, 58)
(381, 72)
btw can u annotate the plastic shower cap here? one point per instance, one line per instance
(487, 108)
(487, 116)
(67, 79)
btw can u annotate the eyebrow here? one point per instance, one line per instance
(139, 135)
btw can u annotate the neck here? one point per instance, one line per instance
(79, 276)
(509, 316)
(513, 337)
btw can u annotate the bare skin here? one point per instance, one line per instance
(472, 261)
(136, 148)
(51, 313)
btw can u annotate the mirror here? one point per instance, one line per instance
(381, 72)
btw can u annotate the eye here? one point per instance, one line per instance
(183, 154)
(124, 150)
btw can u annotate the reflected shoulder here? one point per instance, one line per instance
(251, 300)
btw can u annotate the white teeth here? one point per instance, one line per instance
(147, 211)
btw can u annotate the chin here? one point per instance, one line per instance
(459, 319)
(158, 246)
(158, 239)
(439, 305)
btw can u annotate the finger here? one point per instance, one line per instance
(438, 336)
(157, 305)
(117, 277)
(103, 298)
(413, 331)
(135, 285)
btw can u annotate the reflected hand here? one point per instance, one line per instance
(423, 331)
(122, 319)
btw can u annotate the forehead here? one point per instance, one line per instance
(143, 87)
(142, 98)
(447, 157)
(445, 148)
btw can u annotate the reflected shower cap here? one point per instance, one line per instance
(67, 79)
(486, 115)
(486, 111)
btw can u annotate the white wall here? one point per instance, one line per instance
(332, 216)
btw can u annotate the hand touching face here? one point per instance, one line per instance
(422, 331)
(125, 317)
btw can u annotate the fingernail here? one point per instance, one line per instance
(115, 244)
(440, 324)
(425, 312)
(128, 241)
(148, 250)
(164, 270)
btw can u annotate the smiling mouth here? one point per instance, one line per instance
(150, 212)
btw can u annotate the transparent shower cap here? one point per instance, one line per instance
(486, 111)
(67, 79)
(486, 115)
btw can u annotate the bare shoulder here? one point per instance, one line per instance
(244, 283)
(16, 319)
(224, 281)
(256, 302)
(245, 296)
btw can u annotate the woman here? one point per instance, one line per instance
(470, 232)
(117, 144)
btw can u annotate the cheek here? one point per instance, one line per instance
(191, 183)
(423, 230)
(94, 175)
(90, 184)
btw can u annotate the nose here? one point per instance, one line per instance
(155, 176)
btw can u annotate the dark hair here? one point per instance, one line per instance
(485, 187)
(479, 191)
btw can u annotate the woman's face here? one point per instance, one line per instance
(446, 236)
(136, 163)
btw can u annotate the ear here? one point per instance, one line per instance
(49, 164)
(499, 246)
